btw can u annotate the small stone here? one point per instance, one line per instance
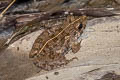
(56, 73)
(46, 77)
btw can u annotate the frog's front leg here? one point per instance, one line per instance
(76, 47)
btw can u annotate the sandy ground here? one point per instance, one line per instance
(99, 54)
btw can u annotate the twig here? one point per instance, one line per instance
(1, 14)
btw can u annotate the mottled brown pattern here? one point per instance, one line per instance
(49, 49)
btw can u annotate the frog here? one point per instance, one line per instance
(51, 46)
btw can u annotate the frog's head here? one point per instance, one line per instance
(80, 23)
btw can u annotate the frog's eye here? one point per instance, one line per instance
(80, 26)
